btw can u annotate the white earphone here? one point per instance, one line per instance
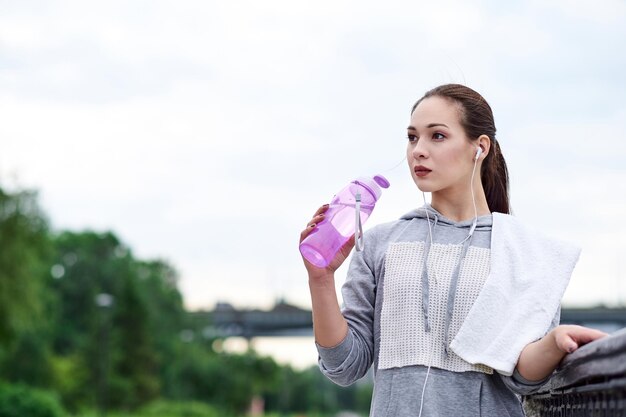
(479, 151)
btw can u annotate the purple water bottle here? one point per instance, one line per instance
(348, 210)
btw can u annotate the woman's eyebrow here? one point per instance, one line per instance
(429, 126)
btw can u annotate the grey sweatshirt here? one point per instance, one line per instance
(405, 298)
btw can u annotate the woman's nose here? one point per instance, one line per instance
(419, 151)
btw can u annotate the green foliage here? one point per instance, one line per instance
(56, 333)
(129, 344)
(308, 391)
(363, 397)
(136, 369)
(21, 401)
(167, 408)
(180, 409)
(226, 380)
(165, 313)
(304, 391)
(28, 360)
(91, 263)
(23, 250)
(24, 325)
(71, 377)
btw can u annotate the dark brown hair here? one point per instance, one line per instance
(477, 119)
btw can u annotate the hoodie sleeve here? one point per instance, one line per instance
(350, 360)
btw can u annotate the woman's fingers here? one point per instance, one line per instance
(571, 337)
(321, 210)
(310, 227)
(317, 218)
(566, 343)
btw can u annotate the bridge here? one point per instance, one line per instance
(284, 319)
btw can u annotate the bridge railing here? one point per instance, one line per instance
(589, 382)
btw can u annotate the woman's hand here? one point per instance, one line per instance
(539, 359)
(339, 258)
(568, 338)
(329, 325)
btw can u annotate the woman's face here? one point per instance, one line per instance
(439, 153)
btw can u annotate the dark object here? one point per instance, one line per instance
(589, 382)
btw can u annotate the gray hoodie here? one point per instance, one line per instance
(406, 296)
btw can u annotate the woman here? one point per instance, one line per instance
(455, 304)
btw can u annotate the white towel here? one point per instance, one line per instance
(528, 276)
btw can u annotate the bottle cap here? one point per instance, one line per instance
(382, 181)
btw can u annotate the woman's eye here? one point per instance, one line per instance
(412, 138)
(438, 136)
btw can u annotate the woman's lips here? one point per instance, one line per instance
(421, 171)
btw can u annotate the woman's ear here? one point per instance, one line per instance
(484, 143)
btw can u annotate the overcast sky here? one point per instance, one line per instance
(206, 133)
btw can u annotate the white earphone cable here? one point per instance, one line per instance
(424, 391)
(426, 260)
(430, 354)
(474, 198)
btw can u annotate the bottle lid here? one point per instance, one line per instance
(382, 181)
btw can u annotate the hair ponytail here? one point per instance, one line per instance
(477, 119)
(494, 176)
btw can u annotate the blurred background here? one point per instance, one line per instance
(159, 159)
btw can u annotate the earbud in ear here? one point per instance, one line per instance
(479, 151)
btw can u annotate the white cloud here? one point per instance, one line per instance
(606, 12)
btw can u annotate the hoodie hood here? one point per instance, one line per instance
(429, 213)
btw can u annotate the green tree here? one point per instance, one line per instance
(20, 401)
(24, 247)
(118, 315)
(165, 315)
(86, 264)
(24, 325)
(28, 359)
(228, 381)
(309, 391)
(135, 370)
